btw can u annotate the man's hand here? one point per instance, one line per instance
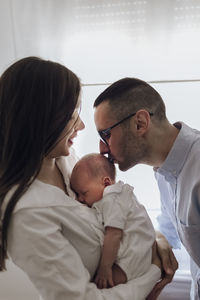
(169, 264)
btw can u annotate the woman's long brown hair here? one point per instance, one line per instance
(37, 99)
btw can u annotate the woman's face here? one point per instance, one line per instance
(67, 135)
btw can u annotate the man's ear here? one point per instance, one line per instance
(106, 181)
(142, 119)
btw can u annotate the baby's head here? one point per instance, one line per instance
(91, 174)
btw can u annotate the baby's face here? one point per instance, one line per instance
(88, 190)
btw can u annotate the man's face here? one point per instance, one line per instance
(124, 145)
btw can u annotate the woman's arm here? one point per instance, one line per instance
(37, 245)
(168, 259)
(168, 264)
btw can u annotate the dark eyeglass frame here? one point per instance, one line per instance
(106, 133)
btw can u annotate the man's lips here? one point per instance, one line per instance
(111, 158)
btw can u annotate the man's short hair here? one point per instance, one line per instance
(130, 95)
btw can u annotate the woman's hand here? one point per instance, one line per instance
(164, 258)
(155, 257)
(168, 259)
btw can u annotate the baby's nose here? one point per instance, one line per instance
(80, 199)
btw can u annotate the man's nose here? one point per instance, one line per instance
(103, 147)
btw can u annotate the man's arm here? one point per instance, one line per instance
(110, 249)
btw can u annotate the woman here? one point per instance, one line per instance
(43, 229)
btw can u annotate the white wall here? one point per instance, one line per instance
(7, 44)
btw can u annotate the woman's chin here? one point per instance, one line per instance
(66, 152)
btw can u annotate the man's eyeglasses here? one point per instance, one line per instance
(106, 133)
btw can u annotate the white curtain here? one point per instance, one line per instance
(103, 40)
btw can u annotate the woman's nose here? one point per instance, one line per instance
(81, 125)
(103, 147)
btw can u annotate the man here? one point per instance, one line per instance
(131, 121)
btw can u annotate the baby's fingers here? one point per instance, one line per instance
(110, 282)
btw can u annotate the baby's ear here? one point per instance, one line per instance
(107, 181)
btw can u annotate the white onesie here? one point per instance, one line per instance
(119, 208)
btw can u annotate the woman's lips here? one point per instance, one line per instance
(70, 140)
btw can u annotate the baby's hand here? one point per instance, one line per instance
(103, 278)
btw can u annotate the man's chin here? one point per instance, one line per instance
(124, 167)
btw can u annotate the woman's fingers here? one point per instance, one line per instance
(163, 257)
(168, 259)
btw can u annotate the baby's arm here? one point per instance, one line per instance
(111, 245)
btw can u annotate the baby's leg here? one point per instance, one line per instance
(119, 276)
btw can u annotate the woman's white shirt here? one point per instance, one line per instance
(51, 237)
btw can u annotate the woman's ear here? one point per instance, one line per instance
(107, 181)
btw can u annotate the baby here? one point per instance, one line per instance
(129, 233)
